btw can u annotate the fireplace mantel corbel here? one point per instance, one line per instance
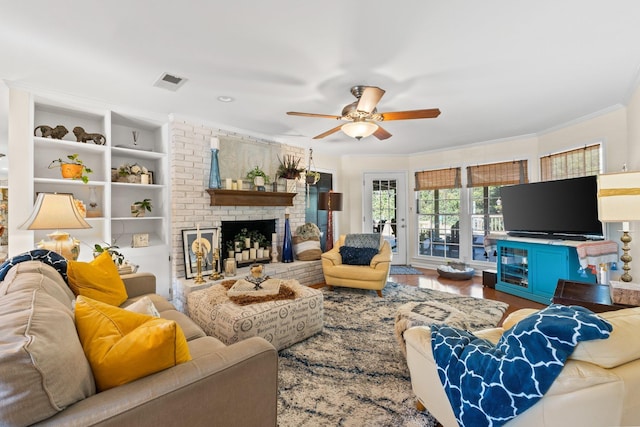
(221, 197)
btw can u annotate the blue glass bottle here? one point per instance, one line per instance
(214, 176)
(287, 245)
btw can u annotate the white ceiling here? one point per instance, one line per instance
(495, 68)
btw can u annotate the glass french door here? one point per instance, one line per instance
(385, 210)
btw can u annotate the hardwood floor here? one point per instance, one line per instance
(430, 279)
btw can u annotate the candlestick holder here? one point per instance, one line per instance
(198, 279)
(216, 275)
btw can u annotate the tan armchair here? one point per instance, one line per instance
(373, 276)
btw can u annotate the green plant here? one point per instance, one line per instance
(255, 236)
(116, 256)
(240, 237)
(145, 204)
(72, 159)
(257, 172)
(312, 177)
(289, 167)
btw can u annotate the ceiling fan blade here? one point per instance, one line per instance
(369, 99)
(326, 116)
(327, 133)
(413, 114)
(381, 133)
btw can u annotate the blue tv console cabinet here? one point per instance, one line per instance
(530, 268)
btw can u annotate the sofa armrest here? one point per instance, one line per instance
(331, 258)
(234, 385)
(139, 284)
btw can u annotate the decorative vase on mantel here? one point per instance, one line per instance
(292, 186)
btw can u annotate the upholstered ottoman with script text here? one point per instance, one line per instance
(281, 322)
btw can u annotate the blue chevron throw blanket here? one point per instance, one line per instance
(488, 385)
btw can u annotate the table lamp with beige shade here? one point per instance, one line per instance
(53, 211)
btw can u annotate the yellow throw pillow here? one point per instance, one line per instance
(98, 279)
(123, 346)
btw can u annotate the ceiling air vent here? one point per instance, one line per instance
(169, 82)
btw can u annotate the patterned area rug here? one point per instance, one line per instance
(403, 269)
(354, 372)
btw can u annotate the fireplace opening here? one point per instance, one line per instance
(230, 229)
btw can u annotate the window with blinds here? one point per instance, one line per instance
(575, 163)
(438, 179)
(486, 209)
(505, 173)
(438, 209)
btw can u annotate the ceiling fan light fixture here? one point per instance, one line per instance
(359, 129)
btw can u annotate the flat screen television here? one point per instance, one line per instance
(563, 209)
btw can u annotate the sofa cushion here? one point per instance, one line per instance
(143, 305)
(357, 256)
(31, 275)
(364, 240)
(98, 280)
(42, 365)
(621, 347)
(123, 346)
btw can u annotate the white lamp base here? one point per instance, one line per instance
(61, 243)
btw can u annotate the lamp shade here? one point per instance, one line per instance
(619, 197)
(54, 211)
(330, 201)
(359, 129)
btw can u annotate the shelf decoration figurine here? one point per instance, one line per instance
(198, 251)
(82, 136)
(216, 275)
(57, 132)
(214, 174)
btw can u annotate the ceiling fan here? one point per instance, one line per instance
(363, 116)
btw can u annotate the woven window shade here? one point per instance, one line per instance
(437, 179)
(571, 164)
(506, 173)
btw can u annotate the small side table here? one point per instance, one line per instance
(596, 298)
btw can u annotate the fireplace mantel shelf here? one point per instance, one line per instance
(249, 198)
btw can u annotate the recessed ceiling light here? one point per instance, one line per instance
(223, 98)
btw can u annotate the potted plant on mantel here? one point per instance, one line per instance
(138, 208)
(290, 170)
(72, 167)
(257, 177)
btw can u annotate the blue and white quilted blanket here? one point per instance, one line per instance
(488, 385)
(51, 258)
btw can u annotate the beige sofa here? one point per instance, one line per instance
(373, 276)
(598, 386)
(45, 377)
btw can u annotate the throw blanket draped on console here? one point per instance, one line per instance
(51, 258)
(488, 385)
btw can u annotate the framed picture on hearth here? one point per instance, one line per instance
(208, 242)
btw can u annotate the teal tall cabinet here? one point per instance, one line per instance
(531, 270)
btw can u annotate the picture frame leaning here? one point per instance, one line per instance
(209, 238)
